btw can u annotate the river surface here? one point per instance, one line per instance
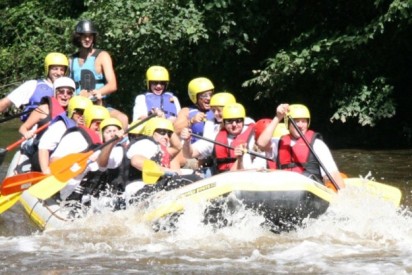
(358, 234)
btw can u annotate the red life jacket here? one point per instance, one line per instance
(225, 157)
(298, 157)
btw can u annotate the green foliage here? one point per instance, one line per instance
(347, 60)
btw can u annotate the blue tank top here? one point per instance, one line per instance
(76, 70)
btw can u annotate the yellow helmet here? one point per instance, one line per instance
(222, 99)
(156, 73)
(77, 102)
(298, 111)
(233, 110)
(157, 123)
(137, 130)
(55, 59)
(94, 112)
(280, 130)
(110, 122)
(197, 86)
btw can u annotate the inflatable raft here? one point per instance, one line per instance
(283, 198)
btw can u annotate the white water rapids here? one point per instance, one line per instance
(358, 234)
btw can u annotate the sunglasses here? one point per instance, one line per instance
(163, 83)
(205, 95)
(79, 111)
(163, 132)
(231, 120)
(65, 91)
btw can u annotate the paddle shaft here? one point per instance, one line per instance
(20, 141)
(314, 153)
(80, 163)
(230, 147)
(17, 143)
(14, 116)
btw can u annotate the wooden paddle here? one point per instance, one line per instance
(20, 182)
(8, 201)
(230, 147)
(3, 151)
(69, 167)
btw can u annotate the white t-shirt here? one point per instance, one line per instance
(205, 149)
(73, 142)
(22, 94)
(52, 135)
(115, 158)
(144, 147)
(320, 148)
(140, 107)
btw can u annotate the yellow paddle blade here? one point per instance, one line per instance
(47, 187)
(8, 201)
(384, 191)
(151, 172)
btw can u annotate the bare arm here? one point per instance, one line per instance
(182, 120)
(38, 114)
(5, 103)
(264, 139)
(105, 65)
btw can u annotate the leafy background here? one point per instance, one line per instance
(348, 61)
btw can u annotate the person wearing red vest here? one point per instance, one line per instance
(234, 133)
(291, 152)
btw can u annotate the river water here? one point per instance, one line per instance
(358, 234)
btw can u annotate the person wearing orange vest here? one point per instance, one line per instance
(234, 133)
(292, 153)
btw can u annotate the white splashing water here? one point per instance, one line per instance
(357, 234)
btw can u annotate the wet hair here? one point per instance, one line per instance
(76, 39)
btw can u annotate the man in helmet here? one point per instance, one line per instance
(234, 133)
(156, 99)
(92, 69)
(154, 145)
(291, 152)
(31, 92)
(200, 92)
(52, 136)
(79, 139)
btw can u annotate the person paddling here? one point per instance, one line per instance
(52, 136)
(290, 151)
(234, 133)
(49, 109)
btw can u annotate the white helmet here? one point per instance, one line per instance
(63, 81)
